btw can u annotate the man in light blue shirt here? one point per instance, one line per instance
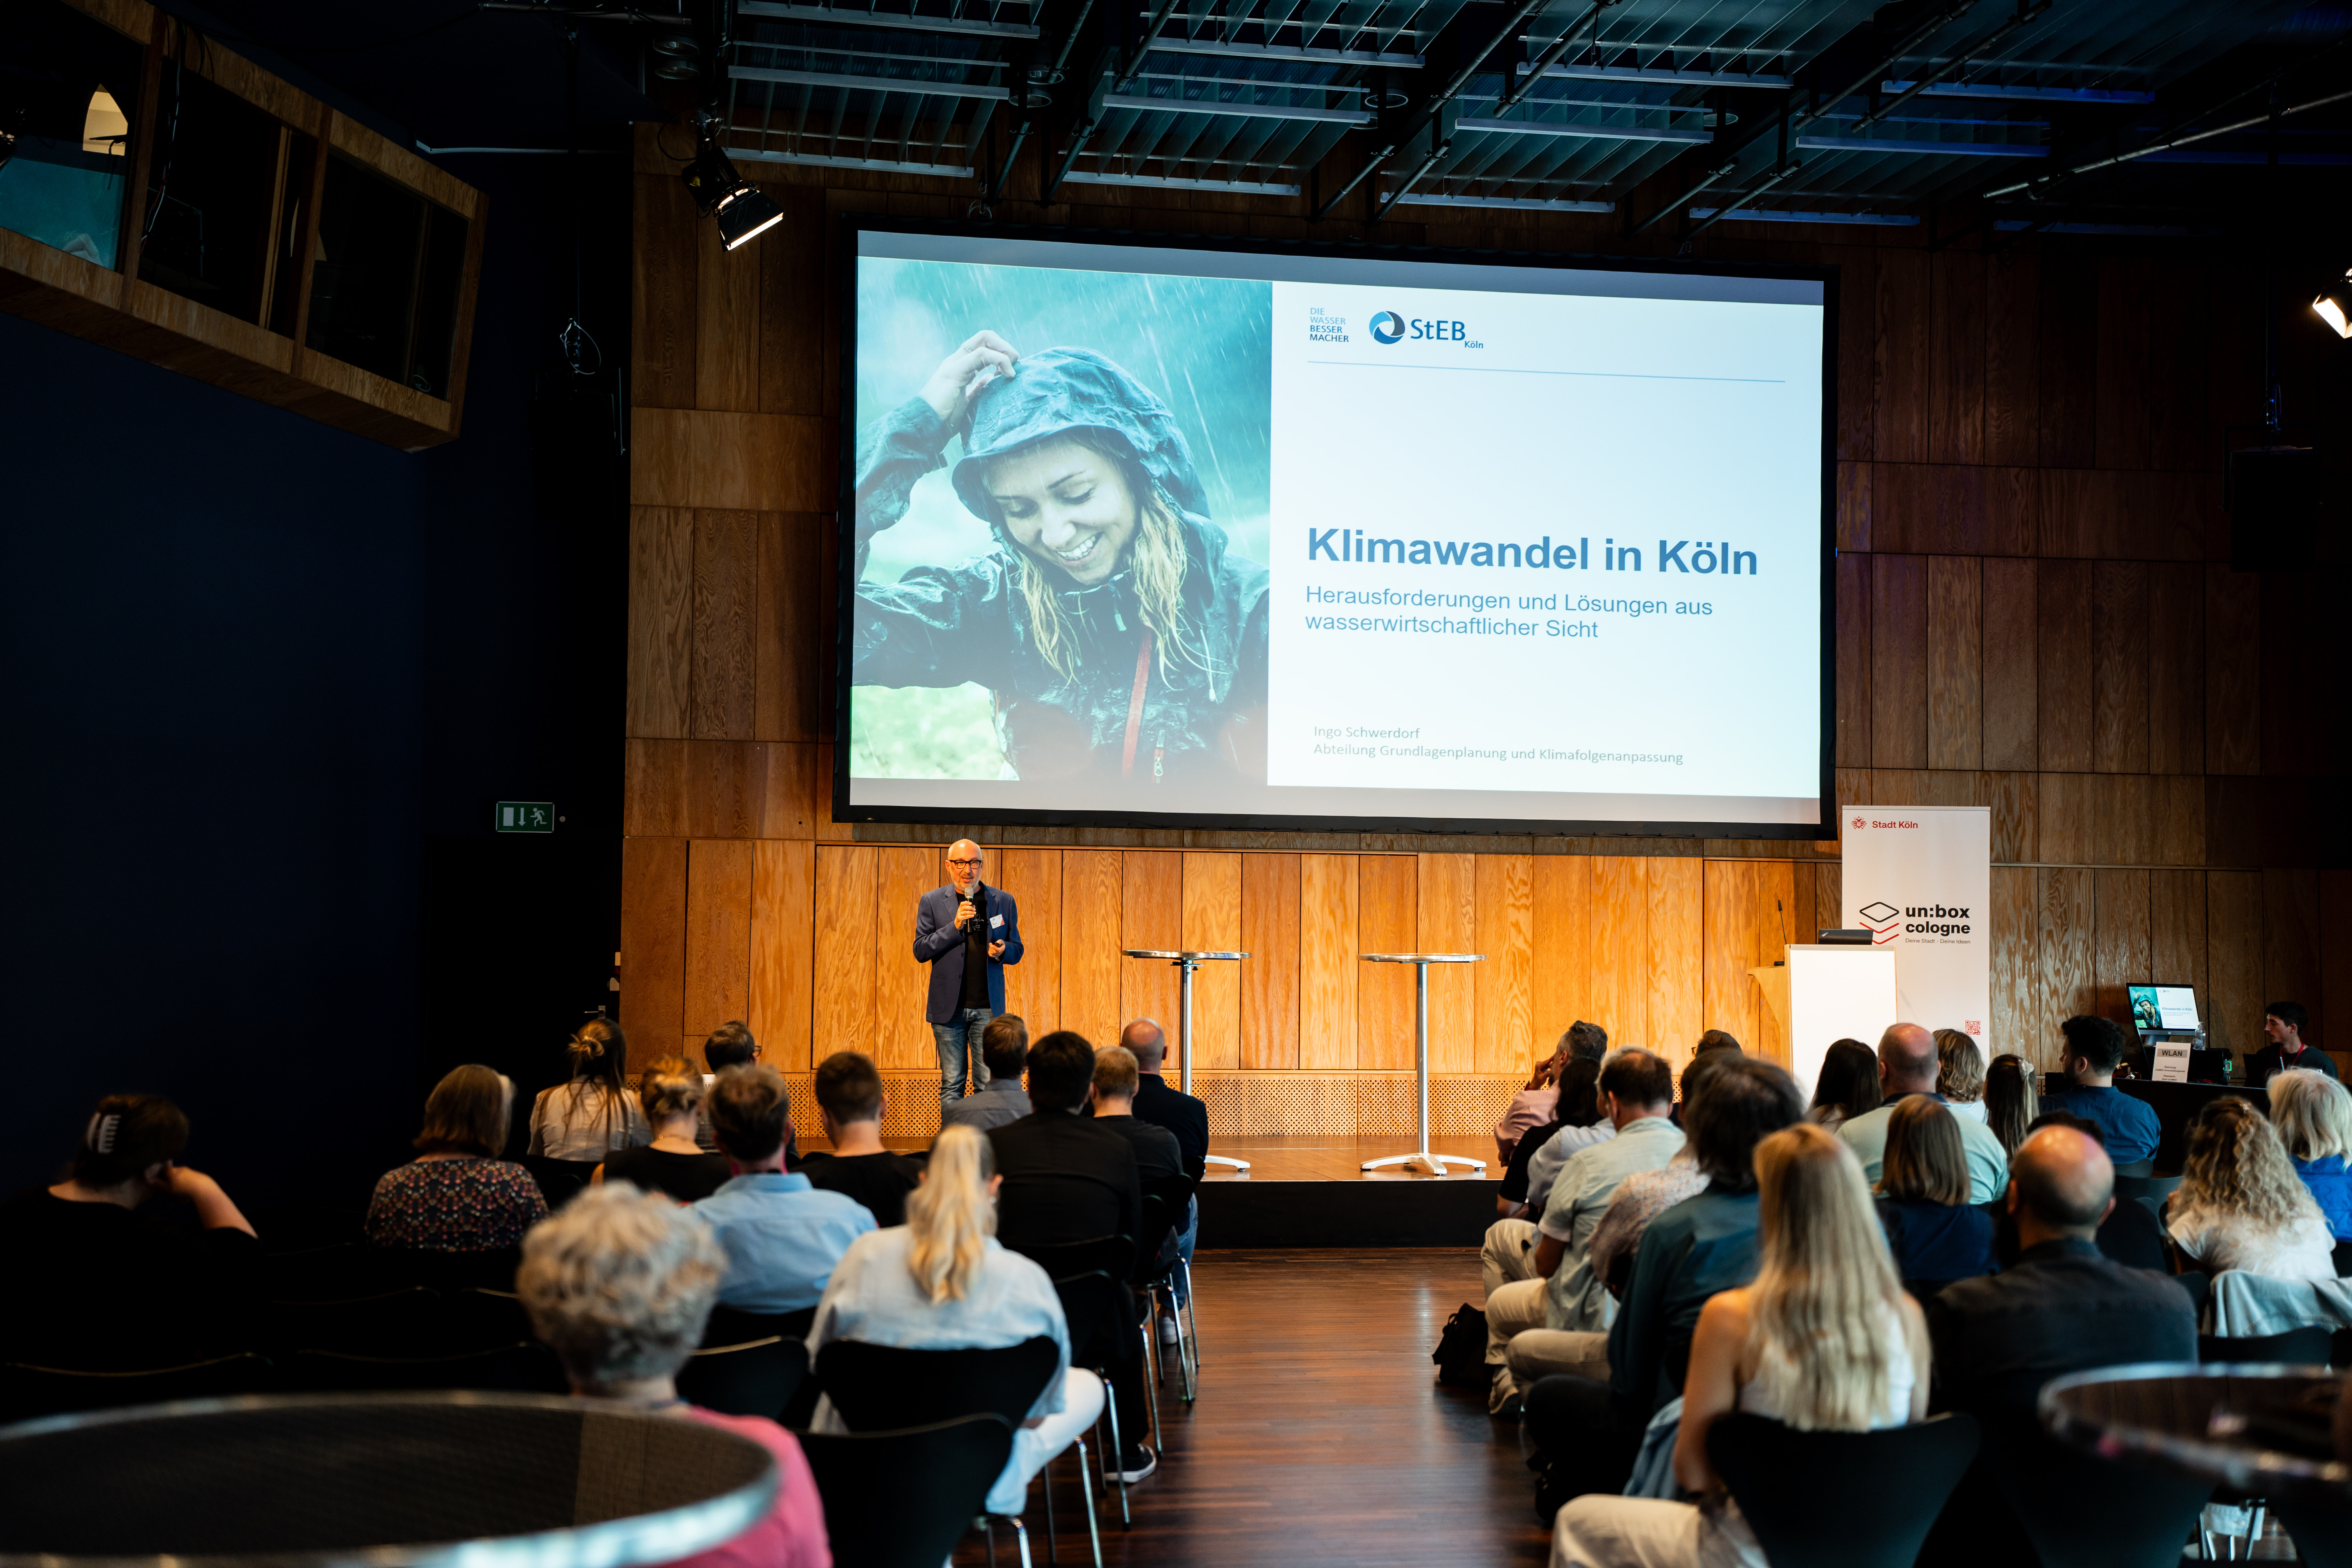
(1537, 1276)
(782, 1236)
(1906, 1065)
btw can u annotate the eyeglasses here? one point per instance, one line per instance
(975, 865)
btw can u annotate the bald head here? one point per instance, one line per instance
(1907, 1060)
(963, 864)
(2062, 1184)
(1148, 1041)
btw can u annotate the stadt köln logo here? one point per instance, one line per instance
(1884, 922)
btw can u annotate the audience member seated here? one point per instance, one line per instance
(1054, 1140)
(2131, 1235)
(2313, 1113)
(2127, 1126)
(1936, 1235)
(1536, 1276)
(458, 1195)
(1715, 1040)
(849, 1100)
(1536, 1104)
(120, 1287)
(2285, 1023)
(1907, 1065)
(1646, 1194)
(2239, 1203)
(1960, 1074)
(1157, 1156)
(671, 1094)
(1847, 1086)
(1825, 1339)
(1186, 1118)
(728, 1046)
(593, 1113)
(1589, 1431)
(1579, 1106)
(1004, 1052)
(620, 1285)
(941, 1281)
(781, 1235)
(2010, 1100)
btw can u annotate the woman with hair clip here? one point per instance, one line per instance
(2239, 1203)
(1120, 635)
(942, 1281)
(1825, 1339)
(458, 1195)
(671, 1093)
(591, 1113)
(108, 1283)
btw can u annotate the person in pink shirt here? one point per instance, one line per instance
(620, 1284)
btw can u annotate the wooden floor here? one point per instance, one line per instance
(1320, 1434)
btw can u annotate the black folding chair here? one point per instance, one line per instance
(1165, 1205)
(1892, 1483)
(756, 1379)
(2306, 1346)
(410, 1321)
(526, 1368)
(29, 1392)
(2083, 1512)
(876, 1518)
(877, 1388)
(1093, 1302)
(730, 1327)
(1104, 1348)
(558, 1179)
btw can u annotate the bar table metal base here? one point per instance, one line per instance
(1421, 963)
(1187, 960)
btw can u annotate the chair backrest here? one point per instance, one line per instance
(1047, 1207)
(1061, 1259)
(1101, 1312)
(1164, 1203)
(2342, 1254)
(755, 1379)
(2149, 1191)
(412, 1321)
(903, 1498)
(26, 1392)
(730, 1327)
(529, 1368)
(2306, 1346)
(558, 1179)
(2083, 1512)
(880, 1388)
(2137, 1169)
(1891, 1484)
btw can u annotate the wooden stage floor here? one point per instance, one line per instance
(1342, 1159)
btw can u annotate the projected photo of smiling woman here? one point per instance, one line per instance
(1119, 635)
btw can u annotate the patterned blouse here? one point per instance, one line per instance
(455, 1205)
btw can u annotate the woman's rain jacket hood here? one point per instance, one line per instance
(1057, 390)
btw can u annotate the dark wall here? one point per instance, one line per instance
(265, 680)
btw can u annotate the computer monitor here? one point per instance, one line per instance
(2164, 1009)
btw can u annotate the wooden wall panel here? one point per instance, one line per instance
(1448, 923)
(1213, 923)
(2119, 667)
(726, 580)
(1746, 900)
(902, 1036)
(2232, 672)
(1387, 921)
(653, 936)
(2063, 660)
(1854, 660)
(661, 619)
(1677, 896)
(1956, 398)
(2234, 960)
(1269, 975)
(2175, 933)
(666, 274)
(1898, 661)
(2015, 1025)
(1328, 961)
(1563, 904)
(2010, 694)
(793, 651)
(2334, 1013)
(2068, 355)
(2012, 359)
(1032, 987)
(2175, 667)
(2120, 949)
(1151, 914)
(2067, 983)
(783, 974)
(726, 326)
(1900, 434)
(718, 933)
(843, 913)
(792, 314)
(1504, 900)
(1621, 949)
(1955, 662)
(2291, 943)
(1090, 943)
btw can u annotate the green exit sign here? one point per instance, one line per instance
(525, 816)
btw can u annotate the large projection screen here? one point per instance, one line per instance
(1223, 535)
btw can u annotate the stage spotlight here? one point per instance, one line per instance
(2335, 306)
(720, 192)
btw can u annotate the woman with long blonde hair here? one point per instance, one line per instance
(2239, 1203)
(942, 1281)
(2313, 1113)
(1825, 1339)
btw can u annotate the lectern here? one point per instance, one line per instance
(1826, 993)
(1421, 963)
(1187, 960)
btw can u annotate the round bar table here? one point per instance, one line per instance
(2261, 1430)
(398, 1481)
(1421, 963)
(1187, 960)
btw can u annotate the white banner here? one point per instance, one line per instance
(1920, 880)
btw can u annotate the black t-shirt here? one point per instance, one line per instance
(117, 1289)
(688, 1178)
(2272, 1059)
(975, 958)
(1515, 1179)
(1157, 1156)
(881, 1182)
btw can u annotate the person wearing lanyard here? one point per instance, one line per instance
(967, 932)
(2285, 1023)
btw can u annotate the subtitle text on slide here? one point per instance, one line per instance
(1358, 741)
(1489, 614)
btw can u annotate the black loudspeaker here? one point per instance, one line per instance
(2273, 500)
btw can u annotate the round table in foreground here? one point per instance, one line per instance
(2258, 1429)
(453, 1479)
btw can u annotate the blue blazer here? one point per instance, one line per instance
(938, 943)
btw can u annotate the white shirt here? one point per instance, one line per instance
(2303, 1250)
(565, 1126)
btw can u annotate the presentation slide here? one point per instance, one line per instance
(1201, 534)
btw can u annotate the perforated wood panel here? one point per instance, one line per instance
(911, 1105)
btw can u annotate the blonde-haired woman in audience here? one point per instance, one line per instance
(941, 1281)
(458, 1195)
(619, 1284)
(2239, 1203)
(591, 1113)
(2011, 1101)
(2313, 1113)
(671, 1092)
(1825, 1339)
(1960, 1074)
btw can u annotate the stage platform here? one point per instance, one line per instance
(1313, 1193)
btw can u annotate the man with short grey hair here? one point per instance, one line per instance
(1183, 1115)
(1908, 1064)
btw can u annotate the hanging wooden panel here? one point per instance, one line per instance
(2119, 954)
(2233, 961)
(1677, 939)
(661, 619)
(1562, 903)
(1090, 933)
(653, 936)
(725, 584)
(1213, 923)
(902, 1033)
(845, 945)
(1504, 910)
(1327, 961)
(2066, 929)
(1270, 974)
(783, 897)
(1032, 987)
(1388, 890)
(1621, 949)
(718, 933)
(1449, 924)
(1151, 914)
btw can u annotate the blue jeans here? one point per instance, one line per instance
(1184, 1240)
(959, 1043)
